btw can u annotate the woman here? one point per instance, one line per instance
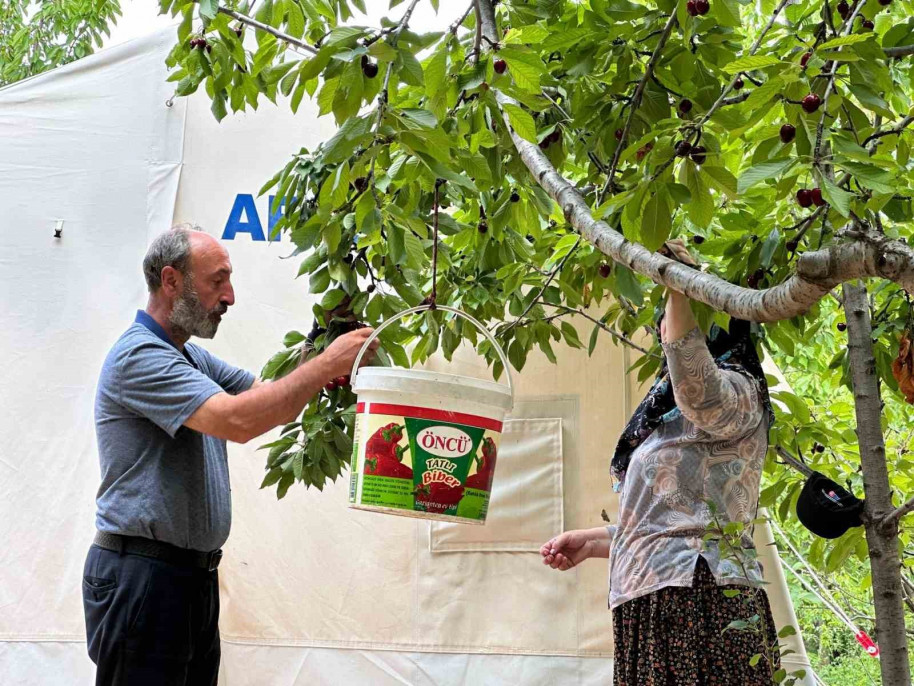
(689, 462)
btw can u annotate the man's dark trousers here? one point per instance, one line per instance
(150, 622)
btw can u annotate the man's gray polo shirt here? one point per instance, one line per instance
(160, 479)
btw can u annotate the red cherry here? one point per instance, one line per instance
(691, 9)
(698, 239)
(699, 154)
(844, 9)
(788, 133)
(805, 58)
(702, 6)
(330, 386)
(738, 84)
(885, 3)
(817, 197)
(605, 270)
(555, 136)
(482, 227)
(342, 380)
(370, 69)
(804, 197)
(791, 245)
(685, 106)
(841, 326)
(618, 134)
(683, 148)
(500, 66)
(868, 25)
(811, 103)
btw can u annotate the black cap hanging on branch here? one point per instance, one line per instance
(826, 508)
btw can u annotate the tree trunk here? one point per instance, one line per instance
(885, 565)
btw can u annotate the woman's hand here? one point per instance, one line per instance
(572, 547)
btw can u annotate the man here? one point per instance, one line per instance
(163, 413)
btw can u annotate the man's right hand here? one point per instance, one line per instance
(340, 355)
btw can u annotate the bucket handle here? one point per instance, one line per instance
(421, 308)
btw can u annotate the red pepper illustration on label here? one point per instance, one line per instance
(482, 479)
(438, 496)
(383, 455)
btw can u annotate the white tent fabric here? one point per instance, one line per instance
(312, 592)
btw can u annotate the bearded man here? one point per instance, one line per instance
(164, 410)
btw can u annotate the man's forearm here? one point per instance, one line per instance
(260, 409)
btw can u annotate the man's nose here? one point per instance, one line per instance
(228, 298)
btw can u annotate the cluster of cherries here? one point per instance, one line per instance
(338, 382)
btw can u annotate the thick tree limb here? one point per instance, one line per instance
(869, 254)
(291, 40)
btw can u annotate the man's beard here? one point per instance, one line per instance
(191, 318)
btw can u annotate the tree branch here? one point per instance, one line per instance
(612, 332)
(902, 125)
(793, 462)
(900, 51)
(870, 254)
(542, 290)
(752, 51)
(636, 102)
(895, 516)
(291, 40)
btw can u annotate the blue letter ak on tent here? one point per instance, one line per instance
(244, 205)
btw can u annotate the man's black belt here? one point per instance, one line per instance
(146, 547)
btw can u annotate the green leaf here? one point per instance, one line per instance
(769, 247)
(436, 73)
(656, 221)
(524, 66)
(594, 336)
(208, 8)
(293, 338)
(411, 70)
(761, 95)
(763, 172)
(332, 298)
(701, 207)
(754, 660)
(849, 39)
(727, 12)
(522, 122)
(838, 198)
(722, 179)
(296, 20)
(751, 63)
(628, 284)
(786, 631)
(874, 178)
(415, 253)
(342, 34)
(442, 172)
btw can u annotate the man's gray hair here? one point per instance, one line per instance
(170, 249)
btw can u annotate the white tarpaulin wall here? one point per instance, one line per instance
(312, 592)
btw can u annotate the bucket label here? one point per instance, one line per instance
(429, 461)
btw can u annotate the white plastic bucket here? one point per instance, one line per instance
(426, 443)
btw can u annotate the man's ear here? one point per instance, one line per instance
(172, 282)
